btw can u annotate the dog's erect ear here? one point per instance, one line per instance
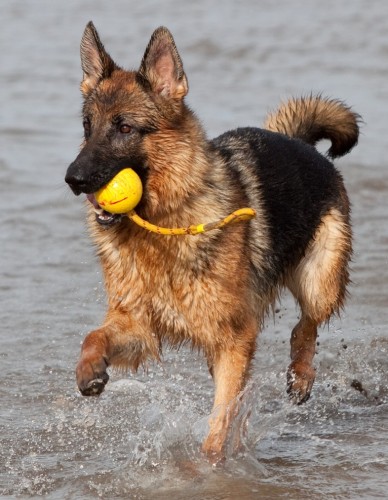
(96, 62)
(162, 66)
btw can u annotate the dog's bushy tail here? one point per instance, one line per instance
(314, 118)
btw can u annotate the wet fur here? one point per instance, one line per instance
(212, 290)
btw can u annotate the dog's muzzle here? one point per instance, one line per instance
(76, 179)
(81, 183)
(102, 216)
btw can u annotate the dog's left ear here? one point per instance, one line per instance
(162, 66)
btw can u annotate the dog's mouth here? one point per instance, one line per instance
(102, 216)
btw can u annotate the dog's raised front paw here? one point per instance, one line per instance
(91, 375)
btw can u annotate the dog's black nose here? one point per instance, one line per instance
(77, 185)
(75, 178)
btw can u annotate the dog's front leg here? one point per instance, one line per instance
(229, 369)
(119, 342)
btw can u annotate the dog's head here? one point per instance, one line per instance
(130, 118)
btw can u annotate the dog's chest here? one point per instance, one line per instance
(165, 285)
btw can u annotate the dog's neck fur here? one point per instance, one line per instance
(180, 172)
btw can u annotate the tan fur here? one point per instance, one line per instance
(138, 278)
(318, 282)
(313, 118)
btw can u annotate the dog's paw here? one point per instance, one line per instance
(91, 375)
(300, 380)
(212, 447)
(96, 386)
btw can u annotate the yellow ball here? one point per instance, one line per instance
(122, 193)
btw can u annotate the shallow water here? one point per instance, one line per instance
(141, 438)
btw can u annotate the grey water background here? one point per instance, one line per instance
(141, 438)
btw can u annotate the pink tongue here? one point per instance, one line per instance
(92, 200)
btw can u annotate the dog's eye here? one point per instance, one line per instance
(87, 127)
(125, 129)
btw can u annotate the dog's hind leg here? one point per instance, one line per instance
(301, 373)
(120, 342)
(319, 285)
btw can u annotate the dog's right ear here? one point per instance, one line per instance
(96, 62)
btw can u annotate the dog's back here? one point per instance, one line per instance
(290, 185)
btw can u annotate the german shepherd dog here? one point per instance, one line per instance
(210, 290)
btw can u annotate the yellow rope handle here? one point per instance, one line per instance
(237, 216)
